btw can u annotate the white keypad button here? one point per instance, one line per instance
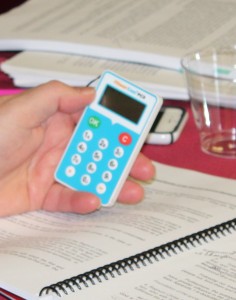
(76, 159)
(70, 171)
(87, 135)
(103, 143)
(85, 179)
(112, 164)
(119, 152)
(82, 147)
(106, 176)
(97, 155)
(101, 188)
(91, 167)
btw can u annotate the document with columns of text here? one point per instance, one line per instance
(156, 32)
(183, 213)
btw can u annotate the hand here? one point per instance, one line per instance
(35, 127)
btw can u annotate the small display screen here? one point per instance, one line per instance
(122, 104)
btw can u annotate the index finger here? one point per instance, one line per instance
(36, 105)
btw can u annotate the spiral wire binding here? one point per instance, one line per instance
(139, 260)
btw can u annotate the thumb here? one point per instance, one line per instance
(34, 106)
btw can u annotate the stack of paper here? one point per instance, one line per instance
(152, 33)
(31, 68)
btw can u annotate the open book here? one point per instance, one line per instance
(152, 32)
(52, 254)
(31, 68)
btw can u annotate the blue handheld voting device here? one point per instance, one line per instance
(108, 138)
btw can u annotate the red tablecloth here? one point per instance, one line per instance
(186, 152)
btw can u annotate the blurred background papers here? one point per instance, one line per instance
(30, 68)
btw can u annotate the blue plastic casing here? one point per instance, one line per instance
(108, 138)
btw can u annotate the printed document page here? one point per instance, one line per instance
(154, 32)
(50, 247)
(204, 273)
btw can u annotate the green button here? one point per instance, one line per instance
(94, 122)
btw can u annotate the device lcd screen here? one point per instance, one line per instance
(122, 104)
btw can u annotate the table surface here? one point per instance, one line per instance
(185, 153)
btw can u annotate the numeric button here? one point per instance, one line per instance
(97, 155)
(103, 143)
(106, 176)
(82, 147)
(87, 135)
(112, 164)
(119, 152)
(85, 179)
(91, 167)
(76, 159)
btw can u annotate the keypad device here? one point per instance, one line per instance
(107, 139)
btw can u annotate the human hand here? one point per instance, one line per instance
(35, 127)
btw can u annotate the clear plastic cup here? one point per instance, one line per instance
(211, 82)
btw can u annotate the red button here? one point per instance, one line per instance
(125, 138)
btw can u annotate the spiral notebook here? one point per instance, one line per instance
(133, 263)
(129, 252)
